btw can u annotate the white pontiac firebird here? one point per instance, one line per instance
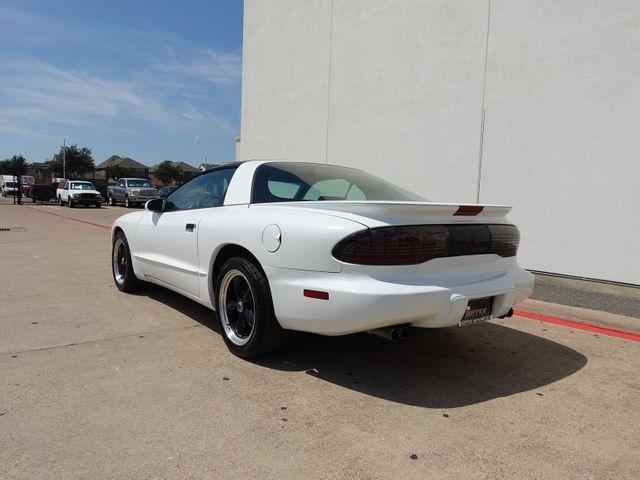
(275, 246)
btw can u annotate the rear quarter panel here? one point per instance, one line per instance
(307, 238)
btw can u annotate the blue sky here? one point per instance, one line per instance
(151, 80)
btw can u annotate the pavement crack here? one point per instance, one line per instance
(99, 340)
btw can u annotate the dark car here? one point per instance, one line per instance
(166, 191)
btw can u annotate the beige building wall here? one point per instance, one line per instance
(400, 88)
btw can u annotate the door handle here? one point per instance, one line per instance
(190, 227)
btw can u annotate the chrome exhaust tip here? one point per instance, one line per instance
(395, 333)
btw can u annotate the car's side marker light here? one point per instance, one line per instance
(316, 294)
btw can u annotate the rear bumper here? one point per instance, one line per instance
(358, 302)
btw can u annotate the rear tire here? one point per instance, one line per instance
(244, 310)
(121, 265)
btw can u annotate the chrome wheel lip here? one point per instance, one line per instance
(229, 330)
(119, 261)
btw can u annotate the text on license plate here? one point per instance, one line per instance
(478, 310)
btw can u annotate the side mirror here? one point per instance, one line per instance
(155, 205)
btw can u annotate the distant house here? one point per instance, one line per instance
(136, 169)
(40, 171)
(187, 171)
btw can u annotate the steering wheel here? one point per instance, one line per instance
(207, 200)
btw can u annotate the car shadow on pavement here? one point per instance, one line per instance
(440, 368)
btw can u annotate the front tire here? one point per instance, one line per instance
(244, 310)
(121, 266)
(60, 202)
(111, 201)
(127, 204)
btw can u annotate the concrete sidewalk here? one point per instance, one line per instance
(103, 385)
(583, 315)
(616, 299)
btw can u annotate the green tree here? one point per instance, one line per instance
(78, 161)
(166, 172)
(4, 166)
(117, 171)
(16, 165)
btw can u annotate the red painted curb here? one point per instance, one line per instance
(587, 327)
(68, 218)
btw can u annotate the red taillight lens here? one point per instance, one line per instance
(414, 244)
(504, 240)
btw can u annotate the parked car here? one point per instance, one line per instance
(277, 246)
(76, 192)
(8, 185)
(41, 192)
(166, 191)
(131, 192)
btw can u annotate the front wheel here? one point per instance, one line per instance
(121, 265)
(127, 204)
(111, 202)
(244, 310)
(60, 202)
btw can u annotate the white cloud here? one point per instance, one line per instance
(25, 132)
(212, 66)
(34, 89)
(51, 93)
(163, 85)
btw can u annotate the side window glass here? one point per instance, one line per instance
(204, 191)
(283, 190)
(283, 186)
(120, 183)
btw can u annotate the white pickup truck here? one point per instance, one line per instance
(76, 192)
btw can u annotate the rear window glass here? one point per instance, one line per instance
(294, 182)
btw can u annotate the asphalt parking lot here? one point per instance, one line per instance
(99, 384)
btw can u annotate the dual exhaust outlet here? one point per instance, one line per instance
(398, 333)
(395, 333)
